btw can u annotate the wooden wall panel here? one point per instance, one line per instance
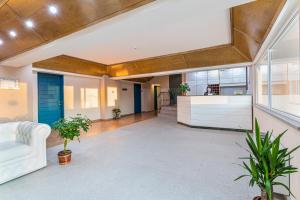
(73, 65)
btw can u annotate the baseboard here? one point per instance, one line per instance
(216, 128)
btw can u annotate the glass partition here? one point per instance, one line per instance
(285, 71)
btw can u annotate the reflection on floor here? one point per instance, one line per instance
(103, 126)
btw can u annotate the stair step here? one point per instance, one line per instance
(173, 108)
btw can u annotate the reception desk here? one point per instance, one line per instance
(220, 112)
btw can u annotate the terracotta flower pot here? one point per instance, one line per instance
(64, 157)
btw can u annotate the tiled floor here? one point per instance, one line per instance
(103, 126)
(155, 159)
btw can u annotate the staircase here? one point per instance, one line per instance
(168, 112)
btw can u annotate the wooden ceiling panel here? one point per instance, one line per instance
(254, 18)
(73, 16)
(51, 28)
(252, 22)
(220, 55)
(73, 65)
(245, 44)
(25, 38)
(26, 8)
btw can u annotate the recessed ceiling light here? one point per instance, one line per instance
(12, 34)
(53, 9)
(1, 42)
(29, 24)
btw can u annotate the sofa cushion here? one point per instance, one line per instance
(8, 131)
(12, 150)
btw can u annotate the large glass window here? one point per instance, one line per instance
(284, 59)
(222, 81)
(282, 67)
(262, 80)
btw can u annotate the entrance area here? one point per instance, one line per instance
(50, 98)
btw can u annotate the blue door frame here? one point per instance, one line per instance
(50, 98)
(137, 98)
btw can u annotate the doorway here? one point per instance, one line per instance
(50, 98)
(137, 98)
(156, 95)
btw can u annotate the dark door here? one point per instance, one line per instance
(155, 97)
(50, 98)
(137, 98)
(174, 82)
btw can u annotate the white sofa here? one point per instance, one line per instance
(22, 148)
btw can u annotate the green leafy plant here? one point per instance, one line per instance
(116, 113)
(184, 88)
(69, 129)
(267, 162)
(173, 93)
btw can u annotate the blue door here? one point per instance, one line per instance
(50, 98)
(155, 98)
(137, 98)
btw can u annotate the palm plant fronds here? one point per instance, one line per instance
(267, 161)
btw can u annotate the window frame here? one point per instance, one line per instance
(292, 119)
(265, 55)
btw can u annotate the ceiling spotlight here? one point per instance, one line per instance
(29, 24)
(53, 9)
(1, 42)
(12, 34)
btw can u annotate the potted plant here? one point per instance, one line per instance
(173, 92)
(267, 161)
(116, 113)
(184, 88)
(69, 129)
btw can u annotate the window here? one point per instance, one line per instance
(9, 84)
(229, 81)
(278, 74)
(89, 98)
(262, 82)
(112, 96)
(284, 59)
(69, 97)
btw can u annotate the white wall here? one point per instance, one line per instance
(74, 101)
(22, 104)
(17, 104)
(146, 97)
(126, 99)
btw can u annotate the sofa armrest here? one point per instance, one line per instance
(30, 133)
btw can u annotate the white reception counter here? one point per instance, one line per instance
(225, 112)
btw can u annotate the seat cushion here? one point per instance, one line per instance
(12, 150)
(8, 131)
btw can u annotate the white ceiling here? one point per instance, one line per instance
(159, 28)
